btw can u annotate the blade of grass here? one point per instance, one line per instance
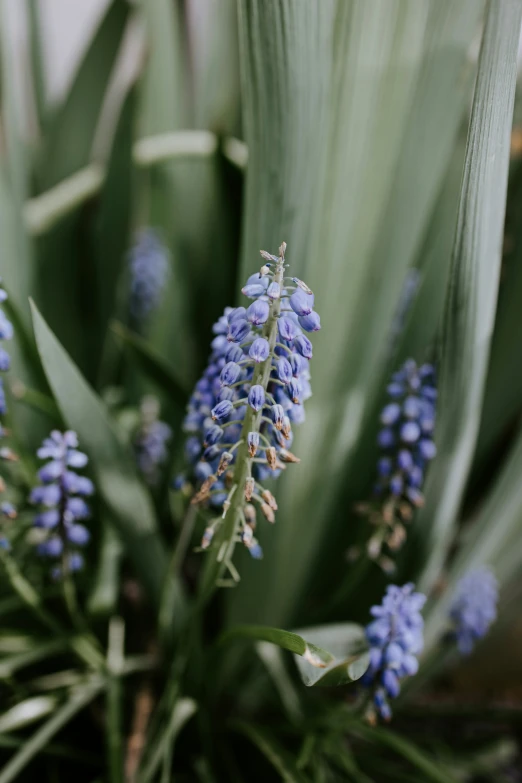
(130, 505)
(472, 292)
(80, 699)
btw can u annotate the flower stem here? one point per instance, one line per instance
(226, 539)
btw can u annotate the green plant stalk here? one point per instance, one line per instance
(85, 647)
(226, 539)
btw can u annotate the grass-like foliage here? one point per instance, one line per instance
(260, 395)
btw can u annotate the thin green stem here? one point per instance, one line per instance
(251, 423)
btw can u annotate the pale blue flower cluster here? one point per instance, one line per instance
(222, 396)
(149, 268)
(61, 499)
(151, 441)
(473, 608)
(395, 638)
(407, 436)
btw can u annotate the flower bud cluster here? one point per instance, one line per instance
(473, 608)
(61, 499)
(149, 268)
(250, 395)
(151, 440)
(395, 638)
(407, 446)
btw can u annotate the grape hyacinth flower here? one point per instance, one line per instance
(395, 638)
(407, 446)
(240, 416)
(61, 499)
(473, 608)
(151, 440)
(149, 268)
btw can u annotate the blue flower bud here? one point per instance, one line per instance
(78, 534)
(213, 435)
(256, 397)
(415, 476)
(253, 290)
(391, 683)
(427, 449)
(396, 485)
(297, 363)
(287, 329)
(222, 410)
(202, 470)
(294, 390)
(278, 416)
(258, 312)
(284, 370)
(301, 303)
(410, 432)
(390, 413)
(404, 459)
(238, 331)
(5, 360)
(237, 313)
(274, 290)
(259, 350)
(225, 394)
(384, 466)
(192, 449)
(253, 443)
(395, 389)
(255, 551)
(230, 373)
(303, 345)
(412, 407)
(310, 323)
(386, 439)
(234, 354)
(53, 547)
(211, 452)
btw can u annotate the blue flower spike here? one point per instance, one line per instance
(62, 507)
(240, 415)
(149, 265)
(395, 638)
(473, 608)
(151, 440)
(407, 446)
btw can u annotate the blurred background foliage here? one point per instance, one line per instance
(345, 128)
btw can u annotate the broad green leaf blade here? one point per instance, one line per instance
(384, 102)
(103, 599)
(472, 292)
(116, 478)
(153, 365)
(491, 539)
(346, 642)
(278, 757)
(78, 700)
(284, 639)
(70, 135)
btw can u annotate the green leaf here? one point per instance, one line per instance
(13, 663)
(472, 292)
(104, 595)
(273, 752)
(70, 135)
(152, 364)
(385, 103)
(325, 655)
(116, 478)
(26, 712)
(431, 770)
(78, 700)
(181, 714)
(346, 643)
